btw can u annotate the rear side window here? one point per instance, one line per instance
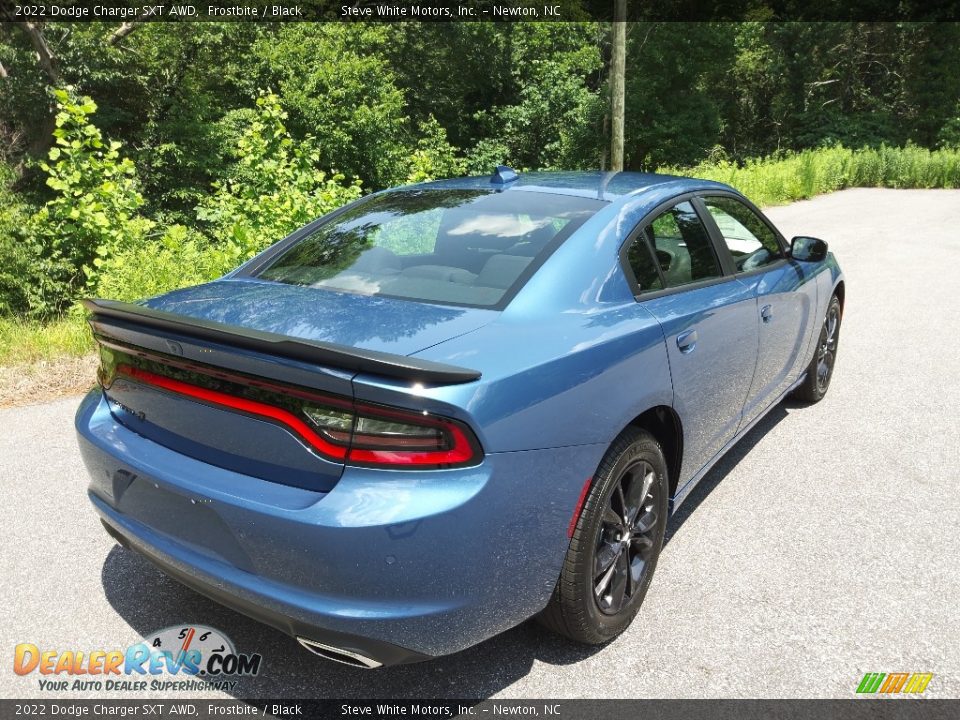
(678, 243)
(644, 267)
(463, 247)
(750, 241)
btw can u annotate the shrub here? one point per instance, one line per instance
(337, 84)
(92, 215)
(179, 258)
(949, 135)
(275, 187)
(17, 260)
(486, 155)
(434, 157)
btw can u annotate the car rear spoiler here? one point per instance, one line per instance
(104, 312)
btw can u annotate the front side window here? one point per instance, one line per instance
(465, 247)
(681, 247)
(750, 240)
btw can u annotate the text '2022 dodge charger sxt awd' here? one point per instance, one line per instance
(449, 407)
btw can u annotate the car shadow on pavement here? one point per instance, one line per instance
(148, 601)
(725, 464)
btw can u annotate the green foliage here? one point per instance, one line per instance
(192, 78)
(179, 258)
(487, 154)
(275, 187)
(949, 135)
(555, 117)
(203, 180)
(434, 157)
(673, 107)
(339, 89)
(796, 176)
(534, 92)
(802, 85)
(93, 213)
(90, 236)
(450, 71)
(16, 274)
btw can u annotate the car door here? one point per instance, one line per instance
(709, 320)
(785, 298)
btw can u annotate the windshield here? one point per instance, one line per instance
(463, 247)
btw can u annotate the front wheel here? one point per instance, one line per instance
(820, 370)
(616, 543)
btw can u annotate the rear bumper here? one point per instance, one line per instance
(396, 566)
(251, 604)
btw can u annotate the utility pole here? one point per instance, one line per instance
(618, 63)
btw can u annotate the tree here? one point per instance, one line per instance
(275, 187)
(338, 86)
(617, 84)
(550, 115)
(673, 107)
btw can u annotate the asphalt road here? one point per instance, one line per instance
(825, 545)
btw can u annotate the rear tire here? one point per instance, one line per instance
(820, 370)
(616, 543)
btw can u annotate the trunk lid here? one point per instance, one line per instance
(382, 324)
(242, 403)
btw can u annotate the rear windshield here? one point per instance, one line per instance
(463, 247)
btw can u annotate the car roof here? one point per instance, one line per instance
(607, 186)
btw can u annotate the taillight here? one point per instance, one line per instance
(390, 437)
(335, 427)
(378, 435)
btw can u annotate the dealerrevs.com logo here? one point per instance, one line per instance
(180, 657)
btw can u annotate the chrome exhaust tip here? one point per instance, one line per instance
(347, 657)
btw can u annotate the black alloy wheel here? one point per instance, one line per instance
(827, 347)
(615, 545)
(820, 369)
(625, 539)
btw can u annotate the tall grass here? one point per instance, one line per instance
(27, 341)
(787, 177)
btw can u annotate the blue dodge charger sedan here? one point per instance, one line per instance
(446, 408)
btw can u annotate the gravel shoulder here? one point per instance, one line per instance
(46, 380)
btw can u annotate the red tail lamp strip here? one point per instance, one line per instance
(237, 403)
(461, 452)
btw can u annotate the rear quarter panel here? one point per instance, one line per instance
(577, 379)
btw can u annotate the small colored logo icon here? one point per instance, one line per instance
(890, 683)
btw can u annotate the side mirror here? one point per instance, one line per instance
(808, 249)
